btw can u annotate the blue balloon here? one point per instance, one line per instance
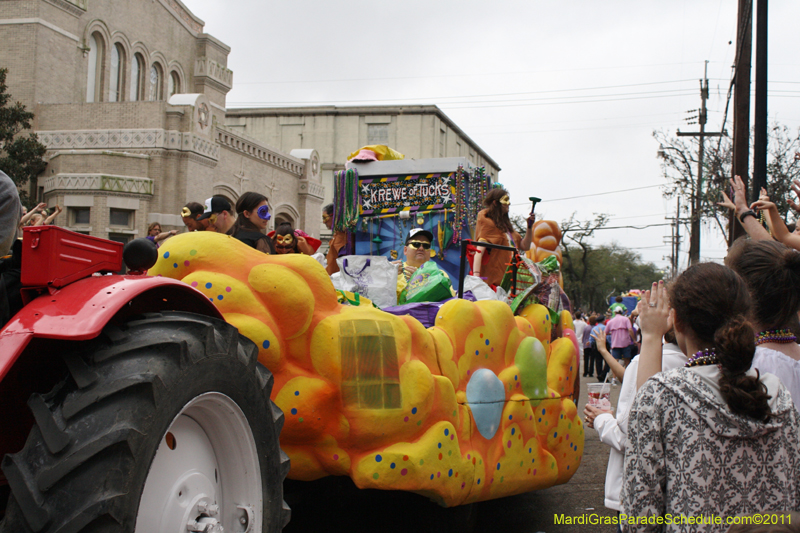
(486, 397)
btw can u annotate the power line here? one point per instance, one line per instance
(593, 194)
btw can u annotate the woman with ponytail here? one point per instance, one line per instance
(772, 273)
(713, 438)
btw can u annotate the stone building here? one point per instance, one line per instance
(418, 132)
(129, 99)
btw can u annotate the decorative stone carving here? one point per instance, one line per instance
(312, 188)
(129, 140)
(98, 182)
(184, 15)
(209, 70)
(257, 151)
(76, 8)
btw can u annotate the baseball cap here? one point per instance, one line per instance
(419, 231)
(215, 204)
(618, 310)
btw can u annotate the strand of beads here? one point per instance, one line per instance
(702, 358)
(780, 336)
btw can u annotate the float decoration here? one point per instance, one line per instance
(479, 406)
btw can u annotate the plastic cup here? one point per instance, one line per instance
(600, 395)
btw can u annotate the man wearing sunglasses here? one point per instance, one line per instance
(218, 213)
(417, 251)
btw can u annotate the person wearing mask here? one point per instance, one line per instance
(252, 215)
(771, 271)
(288, 240)
(713, 438)
(494, 226)
(189, 214)
(217, 212)
(338, 241)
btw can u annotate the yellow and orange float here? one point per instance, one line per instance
(479, 406)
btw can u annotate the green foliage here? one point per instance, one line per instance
(592, 273)
(20, 155)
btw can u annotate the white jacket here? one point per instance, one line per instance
(614, 431)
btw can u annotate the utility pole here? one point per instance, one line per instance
(741, 106)
(760, 139)
(694, 238)
(675, 238)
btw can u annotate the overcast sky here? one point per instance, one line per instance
(564, 95)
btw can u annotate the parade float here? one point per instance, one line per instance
(479, 405)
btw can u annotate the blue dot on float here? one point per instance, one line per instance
(211, 299)
(555, 434)
(477, 352)
(479, 481)
(208, 285)
(510, 417)
(540, 419)
(515, 378)
(414, 411)
(530, 450)
(265, 344)
(220, 297)
(174, 265)
(166, 255)
(392, 466)
(450, 473)
(513, 430)
(297, 393)
(294, 410)
(440, 445)
(446, 432)
(487, 342)
(543, 411)
(498, 466)
(431, 476)
(378, 458)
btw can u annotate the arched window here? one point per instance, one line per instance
(174, 84)
(94, 73)
(137, 71)
(117, 73)
(155, 83)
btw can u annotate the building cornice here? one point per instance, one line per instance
(76, 8)
(361, 110)
(249, 147)
(97, 182)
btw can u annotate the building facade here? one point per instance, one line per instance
(418, 132)
(129, 98)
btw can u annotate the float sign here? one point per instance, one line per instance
(414, 192)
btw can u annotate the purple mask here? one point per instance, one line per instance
(263, 212)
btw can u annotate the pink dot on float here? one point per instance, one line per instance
(194, 284)
(405, 419)
(336, 457)
(186, 263)
(509, 444)
(534, 471)
(404, 471)
(468, 457)
(438, 474)
(451, 436)
(463, 485)
(228, 289)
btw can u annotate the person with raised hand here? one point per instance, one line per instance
(743, 213)
(776, 223)
(771, 271)
(713, 438)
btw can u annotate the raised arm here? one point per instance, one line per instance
(779, 228)
(655, 320)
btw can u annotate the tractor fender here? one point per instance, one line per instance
(82, 309)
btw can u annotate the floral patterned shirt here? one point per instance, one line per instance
(688, 454)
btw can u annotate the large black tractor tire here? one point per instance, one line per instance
(89, 454)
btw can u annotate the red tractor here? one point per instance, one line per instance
(145, 412)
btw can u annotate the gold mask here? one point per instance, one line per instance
(185, 212)
(284, 239)
(212, 219)
(505, 200)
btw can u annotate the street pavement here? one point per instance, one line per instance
(335, 504)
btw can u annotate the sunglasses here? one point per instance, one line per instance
(326, 217)
(416, 244)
